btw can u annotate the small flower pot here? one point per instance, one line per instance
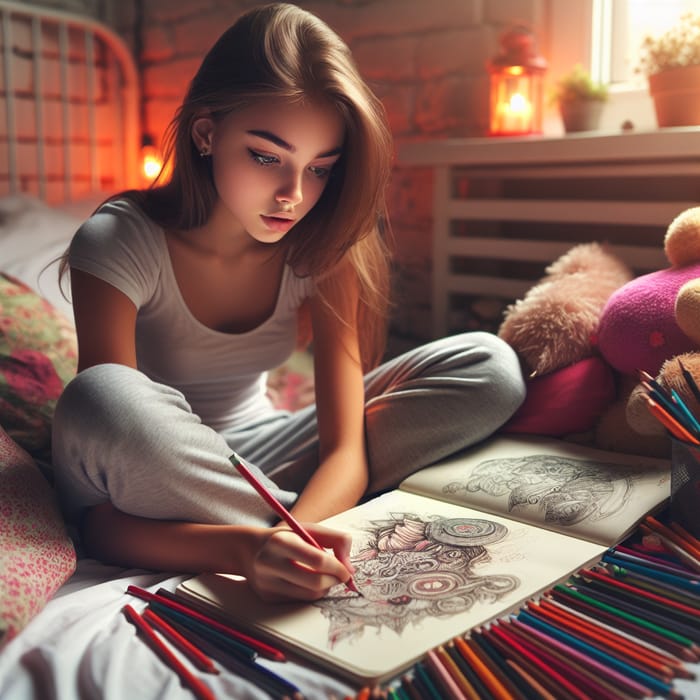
(676, 96)
(580, 115)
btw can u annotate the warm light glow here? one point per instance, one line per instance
(151, 163)
(515, 70)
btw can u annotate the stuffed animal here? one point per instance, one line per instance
(649, 324)
(555, 323)
(553, 331)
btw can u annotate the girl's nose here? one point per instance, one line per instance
(290, 190)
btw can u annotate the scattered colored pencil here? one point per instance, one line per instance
(200, 690)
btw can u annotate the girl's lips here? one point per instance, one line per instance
(277, 224)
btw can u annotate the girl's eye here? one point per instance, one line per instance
(262, 159)
(319, 172)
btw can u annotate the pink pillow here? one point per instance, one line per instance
(568, 400)
(36, 554)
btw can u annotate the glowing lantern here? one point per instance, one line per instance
(516, 93)
(151, 162)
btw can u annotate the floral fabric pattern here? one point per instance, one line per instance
(38, 356)
(36, 554)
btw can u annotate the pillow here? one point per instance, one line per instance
(33, 236)
(36, 554)
(38, 356)
(568, 400)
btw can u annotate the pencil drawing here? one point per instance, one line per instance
(564, 490)
(410, 568)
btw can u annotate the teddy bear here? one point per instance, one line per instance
(649, 324)
(587, 328)
(553, 331)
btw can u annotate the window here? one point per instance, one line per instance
(605, 36)
(618, 29)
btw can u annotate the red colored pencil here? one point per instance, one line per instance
(281, 511)
(199, 659)
(191, 681)
(611, 647)
(596, 633)
(259, 646)
(564, 685)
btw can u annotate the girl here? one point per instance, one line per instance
(185, 295)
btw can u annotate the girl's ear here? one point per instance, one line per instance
(202, 132)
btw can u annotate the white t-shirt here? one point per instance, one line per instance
(222, 375)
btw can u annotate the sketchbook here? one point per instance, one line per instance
(456, 545)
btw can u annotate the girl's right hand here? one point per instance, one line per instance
(283, 567)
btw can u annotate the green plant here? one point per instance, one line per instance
(577, 86)
(676, 48)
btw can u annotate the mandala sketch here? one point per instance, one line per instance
(409, 569)
(565, 490)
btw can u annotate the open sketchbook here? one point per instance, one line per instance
(456, 545)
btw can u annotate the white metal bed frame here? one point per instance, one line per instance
(69, 118)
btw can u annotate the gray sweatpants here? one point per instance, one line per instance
(120, 437)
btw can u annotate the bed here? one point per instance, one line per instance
(69, 137)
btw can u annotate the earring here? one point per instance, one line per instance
(204, 153)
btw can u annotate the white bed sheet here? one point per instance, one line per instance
(81, 646)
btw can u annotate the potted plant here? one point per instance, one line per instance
(580, 100)
(671, 63)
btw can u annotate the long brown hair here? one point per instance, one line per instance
(280, 50)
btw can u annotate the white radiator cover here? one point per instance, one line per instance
(505, 208)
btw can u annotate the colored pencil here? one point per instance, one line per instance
(229, 644)
(445, 679)
(492, 655)
(641, 677)
(167, 599)
(663, 656)
(544, 673)
(651, 522)
(409, 686)
(634, 657)
(531, 681)
(669, 421)
(677, 586)
(643, 632)
(494, 685)
(684, 534)
(191, 681)
(465, 685)
(655, 563)
(200, 660)
(251, 671)
(280, 510)
(610, 578)
(613, 598)
(425, 682)
(599, 635)
(592, 678)
(471, 678)
(670, 546)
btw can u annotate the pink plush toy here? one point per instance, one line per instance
(553, 331)
(648, 324)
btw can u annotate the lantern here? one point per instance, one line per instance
(516, 91)
(151, 162)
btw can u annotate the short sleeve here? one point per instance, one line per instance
(120, 245)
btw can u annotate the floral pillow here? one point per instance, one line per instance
(38, 356)
(36, 554)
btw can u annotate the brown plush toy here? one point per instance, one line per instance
(664, 312)
(553, 331)
(555, 323)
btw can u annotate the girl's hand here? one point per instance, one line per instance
(284, 568)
